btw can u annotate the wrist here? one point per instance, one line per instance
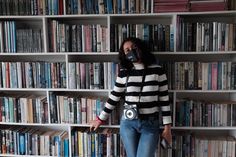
(99, 120)
(167, 126)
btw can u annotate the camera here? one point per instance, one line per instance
(130, 112)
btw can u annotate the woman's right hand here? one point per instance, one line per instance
(94, 124)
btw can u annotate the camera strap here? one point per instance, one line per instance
(142, 84)
(141, 87)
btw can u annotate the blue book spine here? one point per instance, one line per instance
(9, 35)
(119, 6)
(47, 75)
(75, 7)
(57, 145)
(66, 148)
(172, 38)
(11, 109)
(22, 144)
(49, 8)
(55, 7)
(7, 111)
(209, 76)
(96, 7)
(109, 7)
(14, 35)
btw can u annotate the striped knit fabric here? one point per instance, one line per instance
(154, 95)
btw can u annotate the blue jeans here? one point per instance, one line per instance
(140, 137)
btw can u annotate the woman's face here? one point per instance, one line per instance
(128, 46)
(131, 51)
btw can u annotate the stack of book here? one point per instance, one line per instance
(170, 6)
(208, 5)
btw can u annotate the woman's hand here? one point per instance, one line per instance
(94, 124)
(167, 133)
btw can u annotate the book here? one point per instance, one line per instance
(199, 6)
(171, 7)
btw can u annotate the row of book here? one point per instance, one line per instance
(33, 141)
(29, 109)
(198, 36)
(65, 109)
(60, 7)
(206, 36)
(83, 38)
(189, 5)
(197, 113)
(94, 75)
(181, 75)
(78, 110)
(199, 146)
(53, 75)
(108, 6)
(159, 37)
(31, 7)
(102, 143)
(18, 7)
(21, 40)
(201, 75)
(77, 38)
(105, 142)
(32, 75)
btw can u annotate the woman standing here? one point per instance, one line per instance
(144, 86)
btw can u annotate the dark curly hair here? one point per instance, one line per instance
(147, 58)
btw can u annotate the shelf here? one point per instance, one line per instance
(205, 128)
(22, 91)
(43, 91)
(203, 91)
(80, 19)
(207, 95)
(93, 56)
(102, 126)
(113, 56)
(103, 93)
(36, 57)
(208, 132)
(135, 18)
(197, 56)
(59, 111)
(37, 125)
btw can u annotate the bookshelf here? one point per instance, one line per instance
(56, 57)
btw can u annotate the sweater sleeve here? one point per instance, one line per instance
(164, 98)
(114, 97)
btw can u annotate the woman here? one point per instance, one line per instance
(144, 86)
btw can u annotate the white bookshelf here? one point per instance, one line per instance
(42, 22)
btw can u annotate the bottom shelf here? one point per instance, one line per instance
(75, 140)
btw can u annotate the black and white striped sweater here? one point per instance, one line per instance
(154, 95)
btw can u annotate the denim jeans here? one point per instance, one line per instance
(140, 137)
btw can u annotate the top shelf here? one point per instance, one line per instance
(228, 13)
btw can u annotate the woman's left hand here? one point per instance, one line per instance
(167, 133)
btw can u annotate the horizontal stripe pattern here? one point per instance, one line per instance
(153, 96)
